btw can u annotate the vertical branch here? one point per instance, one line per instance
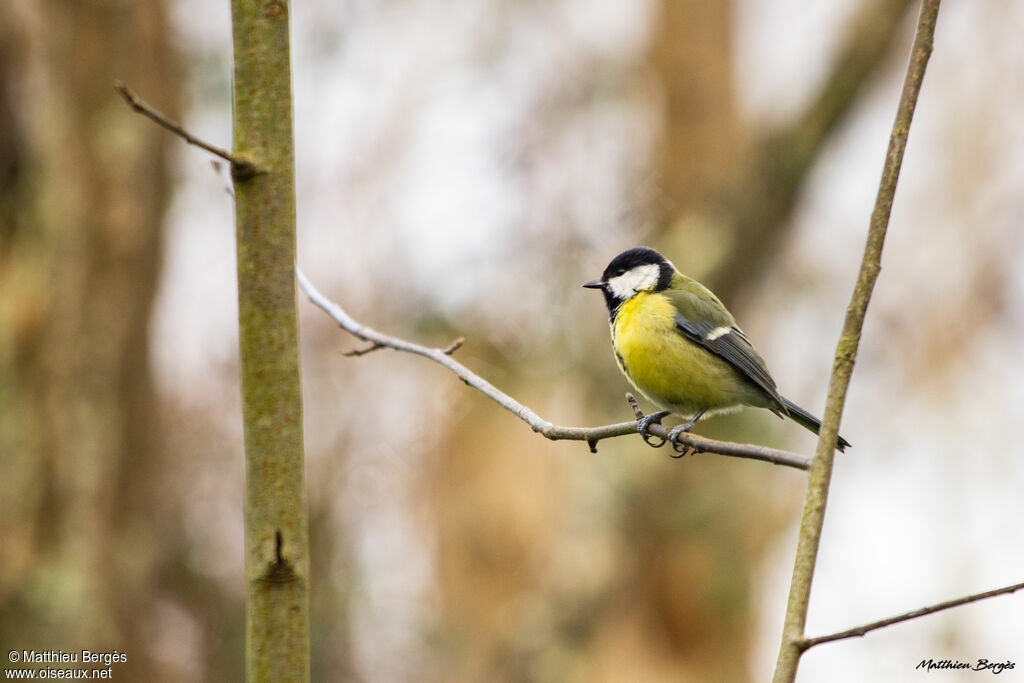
(793, 641)
(277, 612)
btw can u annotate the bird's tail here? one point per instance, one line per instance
(805, 419)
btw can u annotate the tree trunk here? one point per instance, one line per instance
(277, 554)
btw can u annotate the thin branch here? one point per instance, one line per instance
(240, 168)
(846, 353)
(362, 352)
(454, 346)
(591, 435)
(859, 631)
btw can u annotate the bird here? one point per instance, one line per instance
(678, 344)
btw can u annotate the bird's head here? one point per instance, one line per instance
(636, 270)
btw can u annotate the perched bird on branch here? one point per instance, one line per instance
(681, 348)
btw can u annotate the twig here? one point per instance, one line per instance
(554, 432)
(859, 631)
(362, 352)
(240, 168)
(631, 400)
(846, 352)
(454, 346)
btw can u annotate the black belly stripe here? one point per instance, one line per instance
(622, 363)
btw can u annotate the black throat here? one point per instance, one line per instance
(612, 303)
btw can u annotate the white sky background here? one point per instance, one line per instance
(414, 122)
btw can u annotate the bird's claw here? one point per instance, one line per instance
(644, 423)
(673, 438)
(683, 449)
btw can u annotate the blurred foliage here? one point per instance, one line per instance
(662, 591)
(82, 235)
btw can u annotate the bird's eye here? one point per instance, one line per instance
(620, 271)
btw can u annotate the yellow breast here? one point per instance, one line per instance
(671, 371)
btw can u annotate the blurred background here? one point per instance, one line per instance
(462, 167)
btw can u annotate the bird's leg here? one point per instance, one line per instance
(645, 422)
(673, 436)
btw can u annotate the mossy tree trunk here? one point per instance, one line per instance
(277, 612)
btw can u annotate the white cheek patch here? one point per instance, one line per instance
(636, 280)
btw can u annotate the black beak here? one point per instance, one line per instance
(596, 283)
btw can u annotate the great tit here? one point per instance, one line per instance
(681, 348)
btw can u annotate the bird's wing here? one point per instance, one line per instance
(714, 328)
